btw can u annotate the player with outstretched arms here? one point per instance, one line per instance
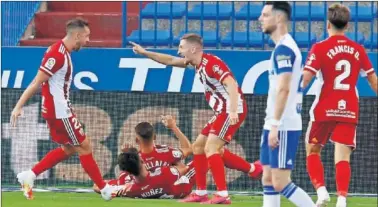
(337, 63)
(225, 98)
(283, 121)
(55, 77)
(154, 156)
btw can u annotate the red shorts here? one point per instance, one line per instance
(66, 130)
(339, 132)
(220, 126)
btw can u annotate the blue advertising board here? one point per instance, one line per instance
(122, 70)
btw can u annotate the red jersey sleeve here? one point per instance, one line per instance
(175, 155)
(170, 174)
(52, 62)
(313, 60)
(366, 66)
(218, 69)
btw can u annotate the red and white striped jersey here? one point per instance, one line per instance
(212, 71)
(57, 64)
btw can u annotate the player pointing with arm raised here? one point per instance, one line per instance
(334, 114)
(283, 122)
(225, 98)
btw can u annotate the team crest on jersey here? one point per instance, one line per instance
(310, 59)
(176, 153)
(217, 69)
(342, 104)
(50, 63)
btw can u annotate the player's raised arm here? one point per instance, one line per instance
(159, 57)
(28, 93)
(185, 145)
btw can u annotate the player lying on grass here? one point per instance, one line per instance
(162, 182)
(157, 155)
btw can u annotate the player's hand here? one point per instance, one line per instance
(168, 121)
(234, 118)
(137, 48)
(15, 114)
(126, 147)
(273, 137)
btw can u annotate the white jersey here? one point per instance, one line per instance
(286, 57)
(55, 92)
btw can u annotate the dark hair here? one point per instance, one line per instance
(76, 23)
(129, 161)
(145, 130)
(193, 38)
(281, 6)
(338, 15)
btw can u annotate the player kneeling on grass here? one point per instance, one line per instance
(163, 182)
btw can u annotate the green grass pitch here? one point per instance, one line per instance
(50, 199)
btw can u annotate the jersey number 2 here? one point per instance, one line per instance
(76, 123)
(342, 64)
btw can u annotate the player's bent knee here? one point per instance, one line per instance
(198, 148)
(280, 179)
(84, 148)
(342, 153)
(213, 145)
(313, 149)
(267, 175)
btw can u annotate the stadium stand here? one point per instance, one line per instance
(15, 18)
(222, 24)
(105, 19)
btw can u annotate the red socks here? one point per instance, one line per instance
(52, 158)
(233, 161)
(216, 166)
(315, 170)
(342, 178)
(200, 166)
(91, 168)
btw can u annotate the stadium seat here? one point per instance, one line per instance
(210, 12)
(163, 37)
(364, 14)
(254, 12)
(209, 37)
(164, 10)
(302, 12)
(301, 38)
(240, 39)
(374, 44)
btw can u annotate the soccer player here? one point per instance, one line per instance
(163, 182)
(283, 122)
(337, 62)
(55, 76)
(155, 156)
(227, 101)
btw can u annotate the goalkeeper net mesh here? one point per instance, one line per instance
(109, 119)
